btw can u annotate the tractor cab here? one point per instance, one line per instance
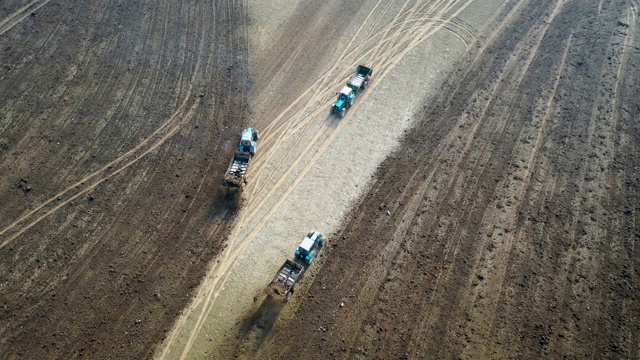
(346, 94)
(248, 141)
(345, 100)
(309, 247)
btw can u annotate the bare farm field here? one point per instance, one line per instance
(480, 199)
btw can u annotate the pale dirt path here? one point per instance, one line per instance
(512, 236)
(12, 20)
(312, 166)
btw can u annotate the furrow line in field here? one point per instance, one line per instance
(15, 18)
(498, 223)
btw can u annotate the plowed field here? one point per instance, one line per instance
(480, 200)
(117, 121)
(505, 226)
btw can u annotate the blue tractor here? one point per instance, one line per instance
(310, 246)
(248, 141)
(347, 96)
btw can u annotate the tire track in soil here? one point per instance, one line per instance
(443, 270)
(122, 162)
(184, 111)
(460, 144)
(14, 19)
(623, 245)
(128, 102)
(589, 231)
(516, 186)
(518, 134)
(215, 228)
(154, 140)
(501, 218)
(215, 281)
(572, 270)
(67, 113)
(218, 225)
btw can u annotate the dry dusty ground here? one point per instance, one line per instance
(311, 165)
(117, 121)
(504, 226)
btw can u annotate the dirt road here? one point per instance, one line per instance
(505, 226)
(312, 165)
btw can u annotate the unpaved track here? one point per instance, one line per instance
(118, 119)
(15, 17)
(503, 227)
(299, 140)
(513, 208)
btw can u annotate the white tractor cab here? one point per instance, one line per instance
(309, 247)
(347, 94)
(346, 98)
(248, 141)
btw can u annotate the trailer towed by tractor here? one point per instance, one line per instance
(347, 96)
(236, 175)
(284, 283)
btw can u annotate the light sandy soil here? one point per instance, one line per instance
(312, 166)
(505, 225)
(481, 199)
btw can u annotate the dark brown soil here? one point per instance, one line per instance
(506, 225)
(118, 120)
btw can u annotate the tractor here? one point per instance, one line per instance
(248, 141)
(310, 246)
(348, 94)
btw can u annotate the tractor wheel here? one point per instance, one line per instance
(321, 243)
(343, 112)
(256, 135)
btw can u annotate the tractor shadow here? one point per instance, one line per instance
(333, 121)
(255, 329)
(226, 203)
